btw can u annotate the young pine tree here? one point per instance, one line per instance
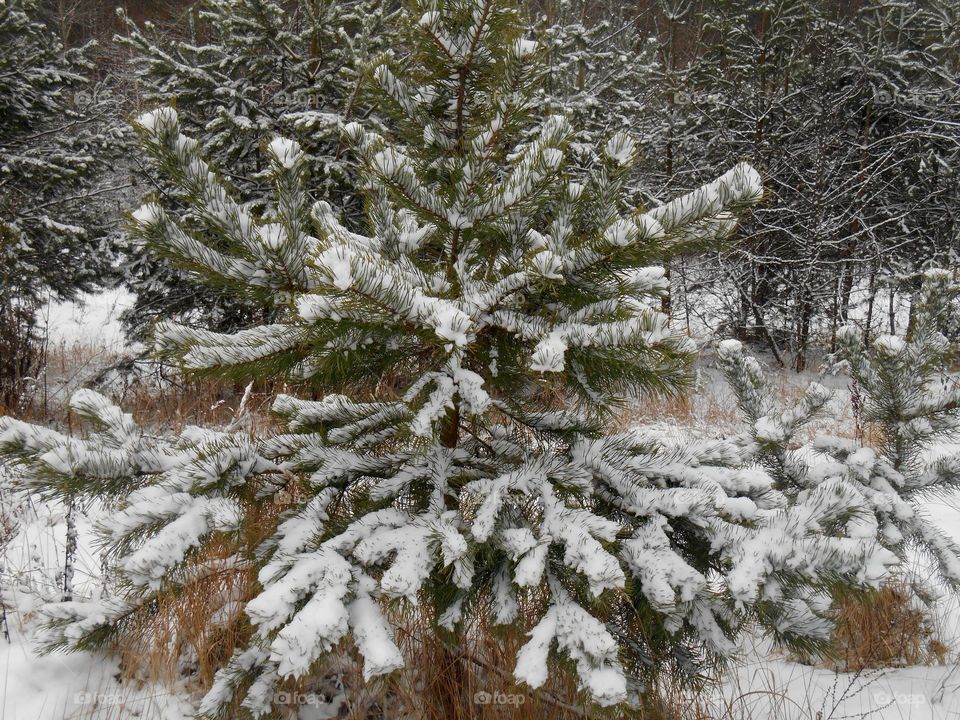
(53, 235)
(470, 343)
(905, 401)
(240, 72)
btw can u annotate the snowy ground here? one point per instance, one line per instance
(55, 687)
(94, 320)
(83, 338)
(83, 685)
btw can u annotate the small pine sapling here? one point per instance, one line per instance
(469, 344)
(908, 402)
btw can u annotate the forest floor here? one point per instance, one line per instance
(762, 683)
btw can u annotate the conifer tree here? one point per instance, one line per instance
(240, 72)
(470, 343)
(53, 233)
(597, 69)
(904, 397)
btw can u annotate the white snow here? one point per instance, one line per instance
(147, 213)
(337, 261)
(286, 152)
(450, 322)
(890, 344)
(92, 321)
(59, 686)
(522, 48)
(273, 235)
(374, 638)
(548, 356)
(620, 233)
(155, 120)
(620, 148)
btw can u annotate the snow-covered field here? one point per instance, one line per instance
(94, 320)
(762, 684)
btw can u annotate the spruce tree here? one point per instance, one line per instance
(471, 343)
(54, 236)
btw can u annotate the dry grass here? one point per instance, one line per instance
(884, 628)
(202, 621)
(710, 409)
(157, 396)
(178, 403)
(203, 402)
(474, 680)
(705, 411)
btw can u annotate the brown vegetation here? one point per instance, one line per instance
(884, 628)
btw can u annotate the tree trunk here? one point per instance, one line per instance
(70, 552)
(871, 299)
(846, 288)
(835, 311)
(892, 313)
(451, 689)
(804, 317)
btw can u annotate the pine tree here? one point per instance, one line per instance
(471, 341)
(54, 237)
(904, 396)
(242, 72)
(596, 69)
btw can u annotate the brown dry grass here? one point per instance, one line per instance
(166, 400)
(202, 402)
(197, 621)
(884, 628)
(203, 618)
(182, 402)
(710, 409)
(472, 680)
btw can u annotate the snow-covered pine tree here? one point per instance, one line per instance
(240, 72)
(52, 229)
(471, 340)
(907, 401)
(596, 69)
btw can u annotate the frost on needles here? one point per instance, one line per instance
(469, 345)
